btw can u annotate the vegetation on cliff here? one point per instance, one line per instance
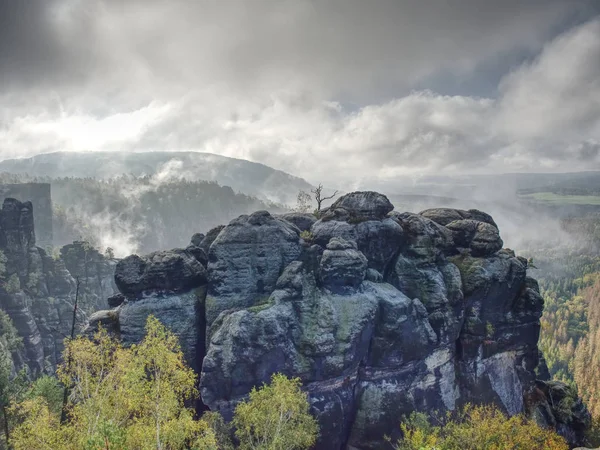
(138, 398)
(481, 427)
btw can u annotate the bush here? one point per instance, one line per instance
(120, 398)
(276, 417)
(13, 284)
(477, 428)
(307, 236)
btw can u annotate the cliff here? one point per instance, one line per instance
(379, 313)
(38, 290)
(39, 194)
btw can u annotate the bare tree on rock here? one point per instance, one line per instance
(318, 193)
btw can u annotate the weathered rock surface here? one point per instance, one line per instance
(382, 314)
(181, 313)
(444, 216)
(359, 206)
(246, 259)
(377, 236)
(169, 271)
(38, 291)
(304, 221)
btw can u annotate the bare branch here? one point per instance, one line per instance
(330, 197)
(318, 192)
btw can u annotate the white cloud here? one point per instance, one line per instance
(255, 84)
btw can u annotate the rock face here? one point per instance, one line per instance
(165, 271)
(41, 198)
(380, 314)
(38, 291)
(246, 259)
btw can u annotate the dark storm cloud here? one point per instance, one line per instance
(32, 51)
(345, 46)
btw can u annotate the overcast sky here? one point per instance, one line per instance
(339, 90)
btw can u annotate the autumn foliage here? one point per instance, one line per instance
(477, 428)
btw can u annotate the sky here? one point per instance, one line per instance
(339, 91)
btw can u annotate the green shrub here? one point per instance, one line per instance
(307, 236)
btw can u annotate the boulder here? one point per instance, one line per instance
(444, 216)
(342, 265)
(426, 240)
(481, 238)
(378, 239)
(304, 221)
(197, 239)
(207, 241)
(360, 206)
(164, 271)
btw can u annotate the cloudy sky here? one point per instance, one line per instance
(324, 89)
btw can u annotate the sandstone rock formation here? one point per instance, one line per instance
(38, 290)
(380, 314)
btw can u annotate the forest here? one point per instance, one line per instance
(139, 214)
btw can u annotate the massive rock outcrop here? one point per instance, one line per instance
(380, 314)
(38, 290)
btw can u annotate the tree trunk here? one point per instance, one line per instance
(63, 413)
(6, 431)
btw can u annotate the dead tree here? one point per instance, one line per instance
(318, 193)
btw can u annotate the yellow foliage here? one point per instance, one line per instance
(40, 429)
(120, 398)
(478, 428)
(276, 417)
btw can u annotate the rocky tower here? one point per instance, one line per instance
(38, 290)
(379, 313)
(41, 198)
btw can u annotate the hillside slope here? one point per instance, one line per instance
(242, 176)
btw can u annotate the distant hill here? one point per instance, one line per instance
(242, 176)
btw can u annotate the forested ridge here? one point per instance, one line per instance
(569, 277)
(139, 214)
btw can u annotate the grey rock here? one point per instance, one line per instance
(107, 319)
(342, 266)
(367, 205)
(246, 259)
(562, 409)
(380, 315)
(198, 253)
(180, 313)
(444, 216)
(338, 243)
(116, 300)
(197, 239)
(374, 276)
(304, 221)
(426, 240)
(165, 271)
(481, 238)
(210, 238)
(378, 240)
(38, 291)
